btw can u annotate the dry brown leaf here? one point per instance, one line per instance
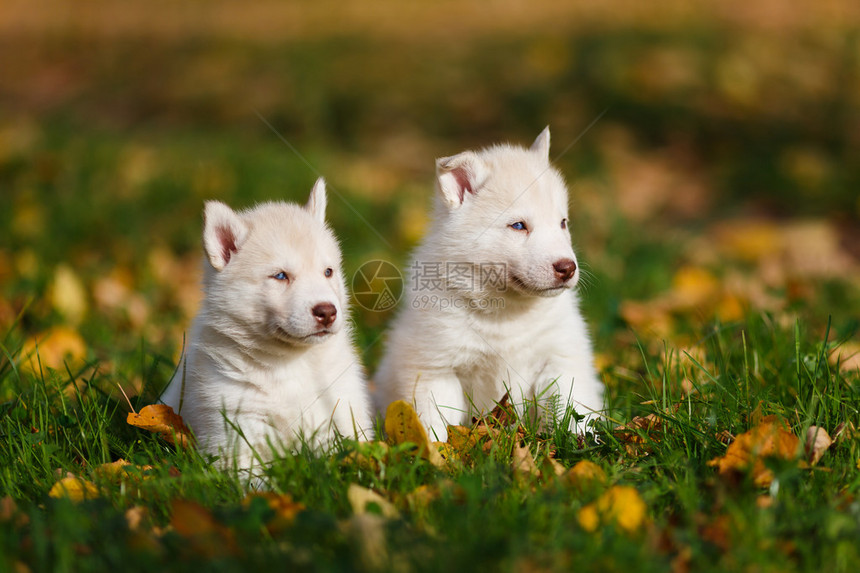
(402, 425)
(74, 488)
(817, 442)
(502, 416)
(8, 508)
(747, 452)
(718, 531)
(9, 511)
(651, 317)
(361, 497)
(847, 356)
(197, 524)
(844, 431)
(523, 461)
(631, 434)
(134, 516)
(812, 249)
(161, 419)
(619, 505)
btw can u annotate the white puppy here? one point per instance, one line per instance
(270, 350)
(490, 305)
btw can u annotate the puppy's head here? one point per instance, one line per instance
(274, 273)
(506, 207)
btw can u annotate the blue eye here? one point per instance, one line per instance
(328, 272)
(518, 226)
(281, 276)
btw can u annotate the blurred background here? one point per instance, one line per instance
(721, 178)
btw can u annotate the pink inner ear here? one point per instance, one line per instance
(463, 184)
(227, 241)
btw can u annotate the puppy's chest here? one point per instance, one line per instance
(275, 391)
(497, 360)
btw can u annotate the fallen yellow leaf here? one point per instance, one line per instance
(402, 425)
(619, 505)
(749, 240)
(120, 470)
(588, 518)
(748, 451)
(693, 286)
(74, 488)
(583, 475)
(367, 455)
(53, 349)
(651, 317)
(160, 418)
(730, 308)
(68, 295)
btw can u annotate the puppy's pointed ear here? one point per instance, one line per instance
(459, 175)
(223, 233)
(317, 201)
(541, 144)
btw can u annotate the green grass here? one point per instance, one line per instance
(104, 178)
(486, 515)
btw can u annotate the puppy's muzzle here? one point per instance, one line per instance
(564, 269)
(325, 313)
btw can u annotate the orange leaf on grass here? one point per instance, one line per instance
(161, 419)
(285, 508)
(122, 469)
(748, 451)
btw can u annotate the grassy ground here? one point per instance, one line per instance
(714, 206)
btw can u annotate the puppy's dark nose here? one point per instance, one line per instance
(325, 313)
(564, 269)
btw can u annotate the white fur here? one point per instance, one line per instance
(256, 352)
(458, 356)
